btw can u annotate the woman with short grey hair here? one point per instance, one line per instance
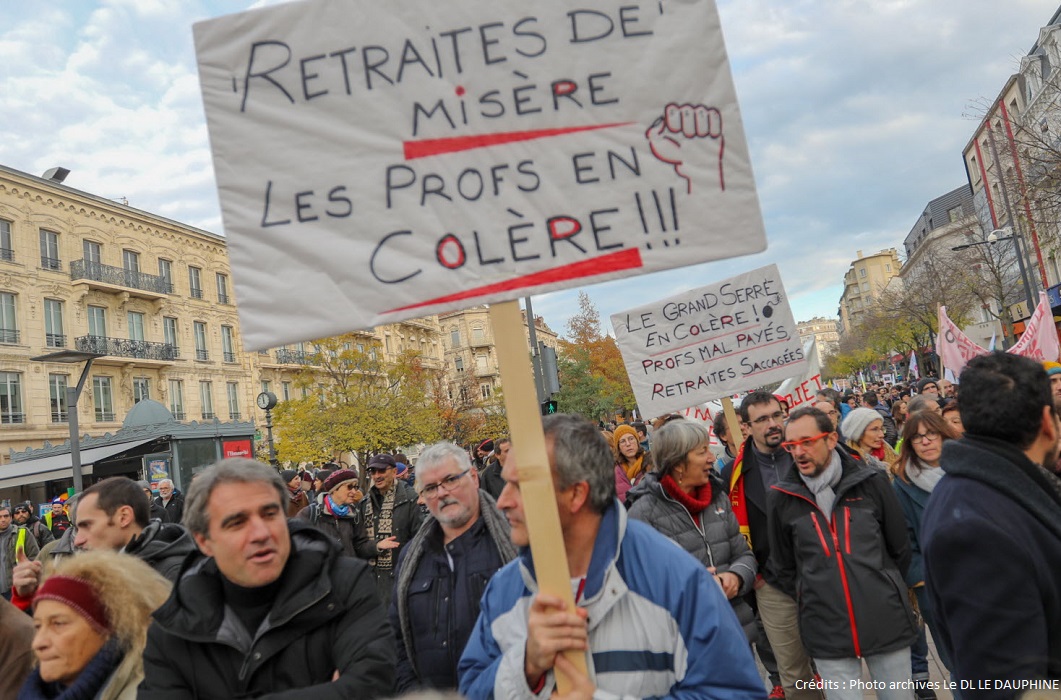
(686, 500)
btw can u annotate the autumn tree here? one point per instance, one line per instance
(465, 415)
(356, 402)
(593, 379)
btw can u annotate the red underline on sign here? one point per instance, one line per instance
(455, 144)
(613, 262)
(706, 341)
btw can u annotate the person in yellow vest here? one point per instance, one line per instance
(13, 539)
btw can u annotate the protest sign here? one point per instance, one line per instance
(802, 388)
(710, 342)
(381, 161)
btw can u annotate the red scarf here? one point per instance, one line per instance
(695, 503)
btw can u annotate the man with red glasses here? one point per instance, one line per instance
(838, 545)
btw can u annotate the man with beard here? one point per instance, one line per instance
(991, 533)
(24, 516)
(442, 572)
(389, 516)
(760, 464)
(839, 548)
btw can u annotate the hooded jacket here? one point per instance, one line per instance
(991, 540)
(659, 626)
(845, 572)
(716, 541)
(163, 546)
(326, 619)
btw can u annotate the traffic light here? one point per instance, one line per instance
(548, 407)
(550, 372)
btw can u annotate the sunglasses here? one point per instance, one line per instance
(791, 445)
(377, 470)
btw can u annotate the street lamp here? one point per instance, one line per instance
(1008, 235)
(72, 395)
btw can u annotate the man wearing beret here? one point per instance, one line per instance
(390, 515)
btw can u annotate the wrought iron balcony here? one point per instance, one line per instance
(118, 277)
(8, 335)
(297, 357)
(197, 293)
(229, 356)
(55, 340)
(51, 263)
(8, 417)
(7, 254)
(123, 347)
(222, 298)
(202, 355)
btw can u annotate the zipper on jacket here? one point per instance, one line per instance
(847, 530)
(699, 528)
(839, 563)
(821, 535)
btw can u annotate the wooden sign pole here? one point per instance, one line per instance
(732, 423)
(535, 476)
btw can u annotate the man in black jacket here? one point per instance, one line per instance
(442, 573)
(273, 609)
(389, 515)
(170, 499)
(991, 533)
(838, 545)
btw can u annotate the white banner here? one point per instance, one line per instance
(380, 161)
(802, 388)
(709, 342)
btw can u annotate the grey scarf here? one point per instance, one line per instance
(922, 475)
(822, 485)
(496, 525)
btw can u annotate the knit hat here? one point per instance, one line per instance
(486, 446)
(79, 595)
(381, 460)
(1052, 368)
(857, 421)
(622, 430)
(287, 475)
(925, 381)
(402, 468)
(337, 479)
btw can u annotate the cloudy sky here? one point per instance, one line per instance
(856, 113)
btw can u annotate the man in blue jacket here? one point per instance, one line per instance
(991, 533)
(650, 618)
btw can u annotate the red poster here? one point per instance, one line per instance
(237, 448)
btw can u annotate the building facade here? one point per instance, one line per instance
(154, 298)
(472, 371)
(865, 279)
(824, 331)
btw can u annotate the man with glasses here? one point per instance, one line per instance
(839, 547)
(442, 572)
(760, 463)
(390, 515)
(23, 514)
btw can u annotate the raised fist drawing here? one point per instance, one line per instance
(688, 136)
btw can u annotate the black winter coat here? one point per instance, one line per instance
(164, 547)
(845, 572)
(175, 507)
(326, 618)
(991, 539)
(342, 531)
(716, 541)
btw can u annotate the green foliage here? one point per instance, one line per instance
(356, 403)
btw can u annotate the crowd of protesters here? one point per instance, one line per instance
(818, 544)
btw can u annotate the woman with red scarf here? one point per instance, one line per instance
(686, 500)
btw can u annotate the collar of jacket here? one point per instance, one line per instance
(605, 552)
(1006, 469)
(853, 473)
(403, 493)
(196, 608)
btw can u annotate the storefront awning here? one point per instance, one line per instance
(34, 471)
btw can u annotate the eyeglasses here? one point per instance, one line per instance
(377, 470)
(776, 417)
(791, 445)
(449, 483)
(927, 436)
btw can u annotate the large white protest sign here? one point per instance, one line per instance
(710, 342)
(380, 161)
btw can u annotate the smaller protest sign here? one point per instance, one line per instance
(802, 388)
(710, 342)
